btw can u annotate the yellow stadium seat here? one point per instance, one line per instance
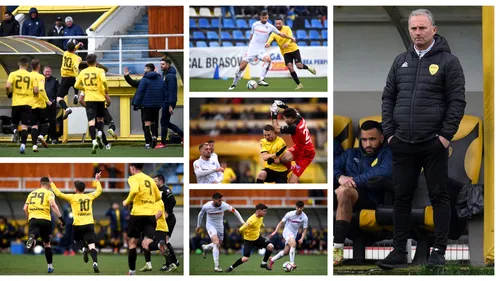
(343, 130)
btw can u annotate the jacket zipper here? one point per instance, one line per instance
(413, 99)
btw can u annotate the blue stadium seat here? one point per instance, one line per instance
(214, 44)
(215, 23)
(241, 44)
(241, 23)
(316, 23)
(325, 43)
(247, 34)
(212, 35)
(324, 34)
(227, 44)
(307, 24)
(225, 35)
(177, 189)
(314, 35)
(203, 23)
(301, 35)
(198, 35)
(228, 23)
(302, 44)
(315, 43)
(201, 44)
(191, 44)
(238, 35)
(179, 169)
(325, 24)
(289, 22)
(250, 22)
(192, 23)
(172, 179)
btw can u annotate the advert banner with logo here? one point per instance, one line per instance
(203, 62)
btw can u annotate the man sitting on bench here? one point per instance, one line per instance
(353, 169)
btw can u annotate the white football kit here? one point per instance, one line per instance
(260, 33)
(205, 171)
(292, 224)
(215, 218)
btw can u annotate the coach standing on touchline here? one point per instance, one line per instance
(422, 105)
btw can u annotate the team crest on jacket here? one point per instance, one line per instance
(374, 162)
(433, 69)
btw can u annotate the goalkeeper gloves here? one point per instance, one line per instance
(280, 104)
(274, 111)
(281, 151)
(62, 221)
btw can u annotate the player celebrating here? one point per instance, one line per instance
(37, 209)
(69, 71)
(92, 81)
(206, 169)
(215, 213)
(108, 120)
(272, 146)
(289, 50)
(256, 49)
(143, 194)
(293, 220)
(22, 88)
(39, 110)
(83, 218)
(252, 239)
(303, 151)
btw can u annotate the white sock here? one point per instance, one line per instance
(263, 262)
(338, 245)
(94, 263)
(278, 256)
(215, 253)
(40, 137)
(49, 265)
(209, 246)
(263, 71)
(94, 142)
(67, 109)
(237, 77)
(292, 254)
(99, 133)
(131, 271)
(149, 264)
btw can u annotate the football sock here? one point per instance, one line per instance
(237, 263)
(93, 254)
(259, 181)
(149, 262)
(153, 247)
(263, 71)
(292, 254)
(104, 139)
(209, 246)
(63, 104)
(147, 255)
(100, 126)
(44, 130)
(34, 135)
(278, 256)
(295, 77)
(48, 255)
(24, 136)
(132, 257)
(267, 255)
(147, 132)
(173, 258)
(304, 66)
(112, 125)
(237, 77)
(154, 130)
(341, 230)
(92, 132)
(215, 253)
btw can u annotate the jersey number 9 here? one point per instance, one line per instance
(148, 185)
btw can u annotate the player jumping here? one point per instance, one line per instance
(303, 151)
(293, 220)
(108, 121)
(83, 218)
(69, 71)
(290, 51)
(256, 49)
(215, 213)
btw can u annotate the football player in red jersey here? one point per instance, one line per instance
(303, 151)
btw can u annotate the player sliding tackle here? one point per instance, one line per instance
(215, 213)
(257, 50)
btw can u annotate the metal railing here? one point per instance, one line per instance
(249, 201)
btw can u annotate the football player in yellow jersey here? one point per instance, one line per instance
(22, 88)
(252, 239)
(69, 71)
(290, 51)
(83, 219)
(39, 109)
(37, 210)
(143, 195)
(92, 81)
(108, 120)
(271, 148)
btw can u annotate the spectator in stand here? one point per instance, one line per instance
(71, 30)
(229, 175)
(117, 220)
(230, 9)
(51, 88)
(33, 26)
(68, 239)
(7, 233)
(337, 148)
(9, 25)
(57, 30)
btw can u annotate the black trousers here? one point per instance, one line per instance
(407, 163)
(53, 120)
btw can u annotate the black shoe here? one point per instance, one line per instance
(266, 266)
(229, 269)
(75, 100)
(436, 259)
(395, 259)
(67, 113)
(177, 263)
(86, 255)
(96, 268)
(164, 267)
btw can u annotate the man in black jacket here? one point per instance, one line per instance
(422, 105)
(9, 26)
(51, 88)
(57, 30)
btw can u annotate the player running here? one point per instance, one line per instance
(92, 81)
(256, 49)
(252, 239)
(214, 224)
(303, 151)
(108, 121)
(39, 109)
(293, 220)
(22, 88)
(83, 218)
(143, 195)
(37, 209)
(271, 147)
(207, 169)
(289, 50)
(69, 71)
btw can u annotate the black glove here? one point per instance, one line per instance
(9, 95)
(281, 151)
(270, 161)
(274, 115)
(62, 221)
(135, 108)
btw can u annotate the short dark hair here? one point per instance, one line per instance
(23, 61)
(202, 145)
(290, 113)
(371, 124)
(80, 186)
(210, 141)
(268, 128)
(137, 165)
(44, 180)
(150, 66)
(217, 196)
(160, 177)
(299, 204)
(263, 13)
(70, 46)
(166, 60)
(35, 63)
(260, 206)
(91, 59)
(278, 19)
(8, 13)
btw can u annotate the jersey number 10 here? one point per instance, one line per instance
(84, 205)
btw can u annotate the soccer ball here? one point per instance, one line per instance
(252, 85)
(287, 266)
(262, 251)
(38, 249)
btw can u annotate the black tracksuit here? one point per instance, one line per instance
(51, 88)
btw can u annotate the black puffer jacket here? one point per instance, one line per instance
(424, 98)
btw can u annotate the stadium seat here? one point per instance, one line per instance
(325, 24)
(192, 23)
(172, 179)
(302, 35)
(225, 35)
(215, 23)
(203, 23)
(241, 23)
(307, 24)
(302, 44)
(289, 22)
(177, 189)
(342, 130)
(192, 12)
(325, 43)
(314, 35)
(228, 23)
(198, 35)
(212, 35)
(205, 12)
(250, 22)
(315, 43)
(238, 35)
(191, 44)
(201, 44)
(247, 34)
(316, 23)
(241, 44)
(179, 169)
(324, 34)
(227, 44)
(214, 44)
(217, 11)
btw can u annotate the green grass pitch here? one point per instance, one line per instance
(122, 149)
(451, 268)
(275, 85)
(306, 265)
(109, 264)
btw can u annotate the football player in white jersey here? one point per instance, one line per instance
(293, 220)
(207, 169)
(256, 49)
(215, 227)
